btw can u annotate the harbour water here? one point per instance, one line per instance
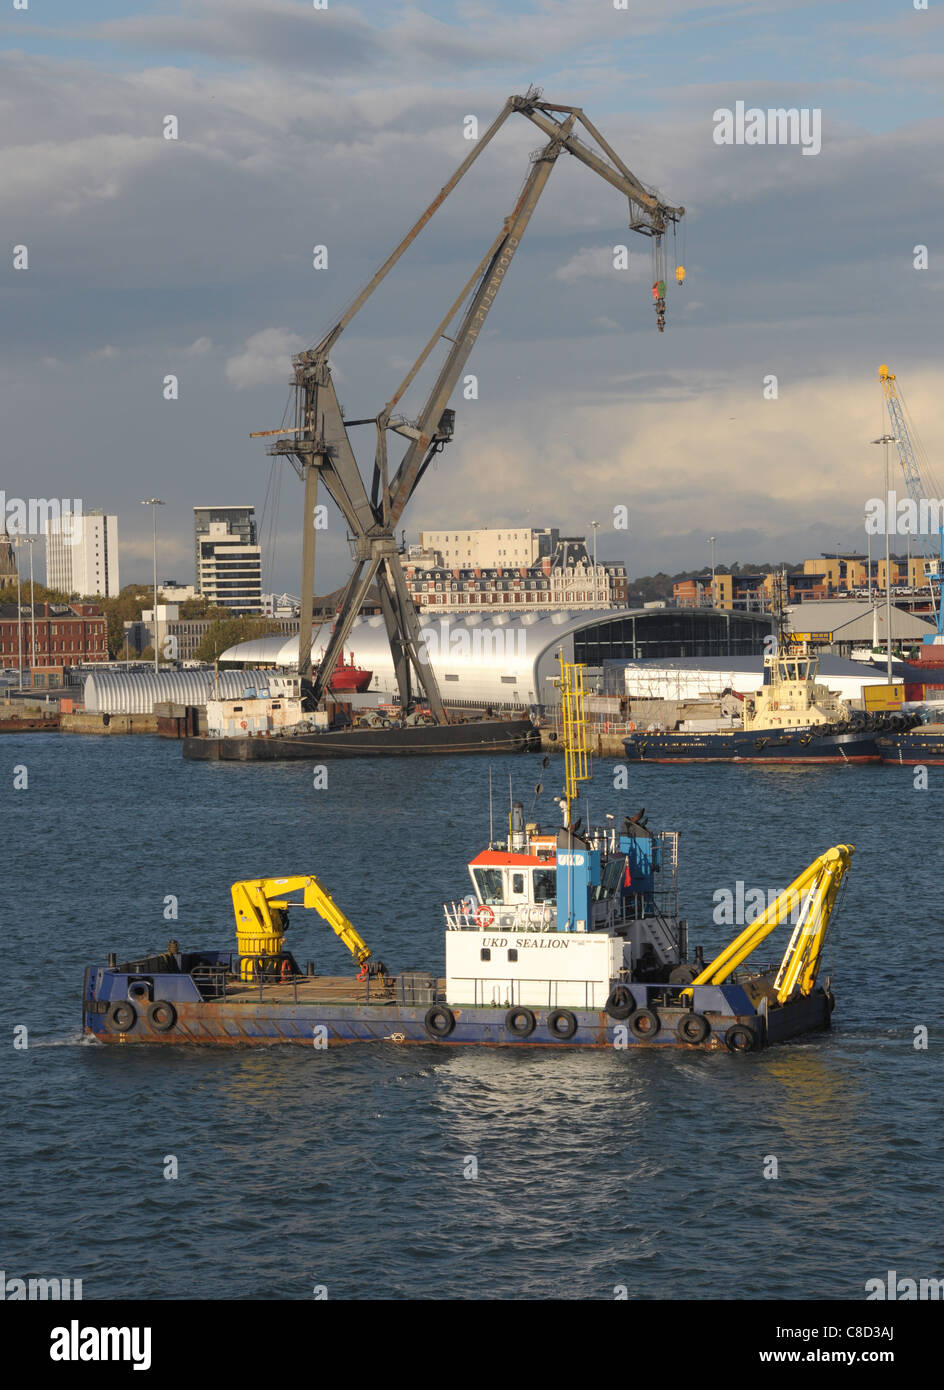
(378, 1172)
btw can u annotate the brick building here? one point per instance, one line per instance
(67, 634)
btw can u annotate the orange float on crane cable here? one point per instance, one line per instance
(485, 916)
(363, 973)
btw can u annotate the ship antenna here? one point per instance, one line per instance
(491, 830)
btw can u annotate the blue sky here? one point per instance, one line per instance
(193, 257)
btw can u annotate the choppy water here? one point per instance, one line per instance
(346, 1169)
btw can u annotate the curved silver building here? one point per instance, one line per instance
(509, 658)
(137, 692)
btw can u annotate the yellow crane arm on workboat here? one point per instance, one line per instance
(261, 913)
(811, 898)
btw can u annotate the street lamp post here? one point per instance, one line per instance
(30, 541)
(154, 503)
(596, 527)
(19, 617)
(711, 541)
(887, 439)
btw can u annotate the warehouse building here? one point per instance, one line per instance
(843, 624)
(509, 660)
(682, 679)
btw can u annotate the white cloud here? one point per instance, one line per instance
(265, 359)
(198, 348)
(596, 263)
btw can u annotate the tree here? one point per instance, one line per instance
(226, 632)
(200, 607)
(38, 593)
(127, 606)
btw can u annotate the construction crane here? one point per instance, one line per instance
(317, 440)
(814, 892)
(261, 909)
(920, 495)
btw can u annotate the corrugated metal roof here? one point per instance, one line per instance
(850, 621)
(137, 692)
(505, 657)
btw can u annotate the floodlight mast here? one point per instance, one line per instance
(318, 444)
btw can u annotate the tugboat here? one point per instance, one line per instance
(791, 719)
(918, 747)
(348, 676)
(569, 936)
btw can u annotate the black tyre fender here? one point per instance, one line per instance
(439, 1021)
(644, 1024)
(162, 1015)
(520, 1022)
(693, 1029)
(561, 1023)
(121, 1017)
(740, 1038)
(620, 1003)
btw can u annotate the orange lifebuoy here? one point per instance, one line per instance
(632, 726)
(484, 916)
(243, 724)
(286, 970)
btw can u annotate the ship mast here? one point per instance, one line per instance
(574, 728)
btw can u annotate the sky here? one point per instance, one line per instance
(300, 126)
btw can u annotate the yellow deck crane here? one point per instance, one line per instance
(814, 894)
(261, 908)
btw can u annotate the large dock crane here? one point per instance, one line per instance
(919, 493)
(317, 441)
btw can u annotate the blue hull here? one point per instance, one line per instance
(320, 1025)
(912, 749)
(770, 746)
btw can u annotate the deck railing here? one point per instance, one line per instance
(510, 991)
(535, 917)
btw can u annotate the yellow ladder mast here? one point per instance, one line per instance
(574, 729)
(261, 911)
(815, 890)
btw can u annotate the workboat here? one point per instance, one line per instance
(916, 747)
(791, 719)
(569, 936)
(273, 720)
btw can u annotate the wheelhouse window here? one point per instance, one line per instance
(489, 885)
(545, 885)
(612, 880)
